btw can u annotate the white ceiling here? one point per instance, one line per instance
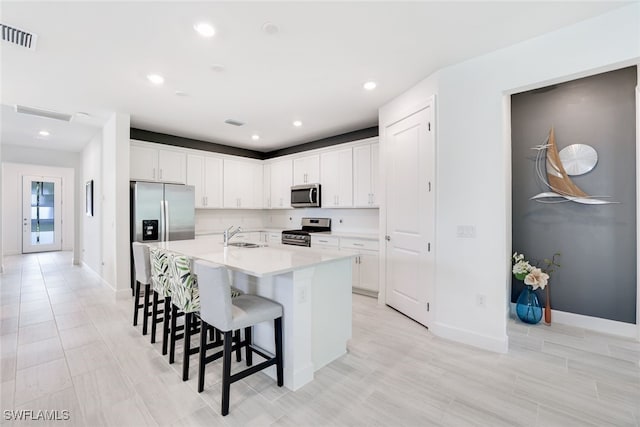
(93, 57)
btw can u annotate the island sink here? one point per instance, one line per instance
(244, 245)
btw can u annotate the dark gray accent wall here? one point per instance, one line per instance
(597, 243)
(179, 141)
(325, 142)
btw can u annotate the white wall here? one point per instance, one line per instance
(91, 226)
(473, 185)
(116, 250)
(12, 174)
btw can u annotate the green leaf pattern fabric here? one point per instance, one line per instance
(160, 271)
(184, 286)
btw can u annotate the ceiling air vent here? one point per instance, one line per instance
(43, 113)
(234, 122)
(20, 37)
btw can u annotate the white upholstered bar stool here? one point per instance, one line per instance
(220, 311)
(142, 268)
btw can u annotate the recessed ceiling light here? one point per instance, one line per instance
(255, 137)
(218, 68)
(180, 93)
(204, 29)
(43, 133)
(156, 79)
(370, 85)
(297, 123)
(270, 28)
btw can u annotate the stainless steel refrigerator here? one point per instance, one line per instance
(162, 212)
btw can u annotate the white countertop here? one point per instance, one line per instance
(262, 261)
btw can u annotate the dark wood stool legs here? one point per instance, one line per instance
(144, 306)
(231, 343)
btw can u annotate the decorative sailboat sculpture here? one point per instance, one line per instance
(582, 159)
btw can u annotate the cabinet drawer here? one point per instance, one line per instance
(324, 241)
(349, 243)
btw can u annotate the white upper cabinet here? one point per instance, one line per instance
(337, 178)
(306, 170)
(205, 174)
(280, 184)
(266, 185)
(242, 184)
(365, 175)
(148, 163)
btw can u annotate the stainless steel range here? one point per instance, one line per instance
(302, 237)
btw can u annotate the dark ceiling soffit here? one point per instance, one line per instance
(325, 142)
(178, 141)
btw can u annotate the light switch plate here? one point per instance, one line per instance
(466, 231)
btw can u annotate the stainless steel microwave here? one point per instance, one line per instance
(305, 196)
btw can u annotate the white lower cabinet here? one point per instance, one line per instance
(365, 264)
(319, 241)
(273, 238)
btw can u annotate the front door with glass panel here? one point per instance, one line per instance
(41, 214)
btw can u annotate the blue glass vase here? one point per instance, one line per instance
(528, 306)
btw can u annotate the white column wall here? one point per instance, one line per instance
(115, 203)
(473, 160)
(92, 226)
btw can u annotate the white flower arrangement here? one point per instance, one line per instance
(532, 275)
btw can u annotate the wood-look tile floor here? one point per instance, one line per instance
(67, 344)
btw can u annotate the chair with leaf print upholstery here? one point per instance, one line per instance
(142, 270)
(185, 300)
(161, 294)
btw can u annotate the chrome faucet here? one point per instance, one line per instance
(229, 233)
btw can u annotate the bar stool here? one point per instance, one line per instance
(185, 300)
(143, 277)
(218, 310)
(161, 288)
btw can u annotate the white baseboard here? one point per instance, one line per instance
(104, 282)
(597, 324)
(464, 336)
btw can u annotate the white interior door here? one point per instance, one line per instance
(41, 214)
(410, 155)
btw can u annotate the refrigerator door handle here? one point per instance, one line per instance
(163, 223)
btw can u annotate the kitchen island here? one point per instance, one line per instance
(314, 288)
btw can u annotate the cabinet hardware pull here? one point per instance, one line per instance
(358, 244)
(387, 238)
(161, 173)
(154, 173)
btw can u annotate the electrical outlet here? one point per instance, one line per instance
(302, 296)
(481, 300)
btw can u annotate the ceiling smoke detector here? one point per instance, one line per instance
(18, 37)
(234, 122)
(43, 113)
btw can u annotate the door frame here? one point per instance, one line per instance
(429, 102)
(58, 221)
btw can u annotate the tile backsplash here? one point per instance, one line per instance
(346, 220)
